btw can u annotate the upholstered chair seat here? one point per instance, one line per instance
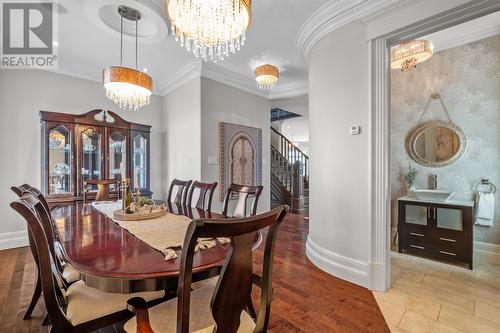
(86, 303)
(163, 317)
(70, 274)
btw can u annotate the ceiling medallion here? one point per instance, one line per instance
(406, 56)
(267, 76)
(210, 29)
(129, 88)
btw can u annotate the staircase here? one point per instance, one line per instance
(289, 174)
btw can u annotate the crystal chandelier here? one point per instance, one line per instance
(210, 28)
(407, 55)
(129, 88)
(267, 76)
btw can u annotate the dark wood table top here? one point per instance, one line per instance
(97, 246)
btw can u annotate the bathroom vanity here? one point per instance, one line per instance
(436, 230)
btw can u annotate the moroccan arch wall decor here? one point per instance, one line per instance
(240, 156)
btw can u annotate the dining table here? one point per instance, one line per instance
(113, 260)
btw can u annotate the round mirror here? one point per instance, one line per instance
(437, 143)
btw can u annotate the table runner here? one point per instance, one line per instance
(162, 233)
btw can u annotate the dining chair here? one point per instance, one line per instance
(221, 305)
(19, 190)
(243, 192)
(79, 308)
(102, 188)
(68, 273)
(205, 189)
(182, 190)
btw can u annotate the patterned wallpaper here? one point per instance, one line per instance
(468, 79)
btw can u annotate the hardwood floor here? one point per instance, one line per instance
(306, 299)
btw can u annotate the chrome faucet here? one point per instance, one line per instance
(435, 181)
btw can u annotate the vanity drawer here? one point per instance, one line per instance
(416, 234)
(417, 242)
(451, 239)
(419, 248)
(452, 254)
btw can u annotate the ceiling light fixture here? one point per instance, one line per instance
(407, 55)
(210, 28)
(267, 76)
(129, 88)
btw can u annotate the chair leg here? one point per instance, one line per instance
(251, 309)
(34, 299)
(46, 320)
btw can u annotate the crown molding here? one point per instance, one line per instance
(217, 73)
(86, 73)
(337, 13)
(187, 72)
(289, 89)
(238, 81)
(465, 38)
(77, 71)
(193, 68)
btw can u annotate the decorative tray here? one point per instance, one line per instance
(143, 213)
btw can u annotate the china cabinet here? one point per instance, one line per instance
(90, 146)
(437, 230)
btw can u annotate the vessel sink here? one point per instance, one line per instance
(433, 195)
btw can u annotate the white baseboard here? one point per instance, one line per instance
(487, 253)
(11, 240)
(349, 269)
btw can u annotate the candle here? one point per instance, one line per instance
(136, 179)
(122, 171)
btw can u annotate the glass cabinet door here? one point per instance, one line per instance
(91, 145)
(117, 154)
(60, 161)
(416, 214)
(448, 218)
(140, 152)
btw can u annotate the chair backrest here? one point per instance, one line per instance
(241, 205)
(102, 188)
(205, 188)
(46, 218)
(33, 212)
(234, 287)
(20, 190)
(182, 190)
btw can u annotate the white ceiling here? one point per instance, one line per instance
(468, 32)
(87, 44)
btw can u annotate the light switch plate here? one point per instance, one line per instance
(355, 130)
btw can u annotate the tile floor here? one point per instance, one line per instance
(433, 297)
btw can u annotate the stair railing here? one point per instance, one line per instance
(290, 152)
(282, 169)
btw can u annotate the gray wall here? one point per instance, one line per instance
(222, 103)
(23, 93)
(468, 79)
(182, 117)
